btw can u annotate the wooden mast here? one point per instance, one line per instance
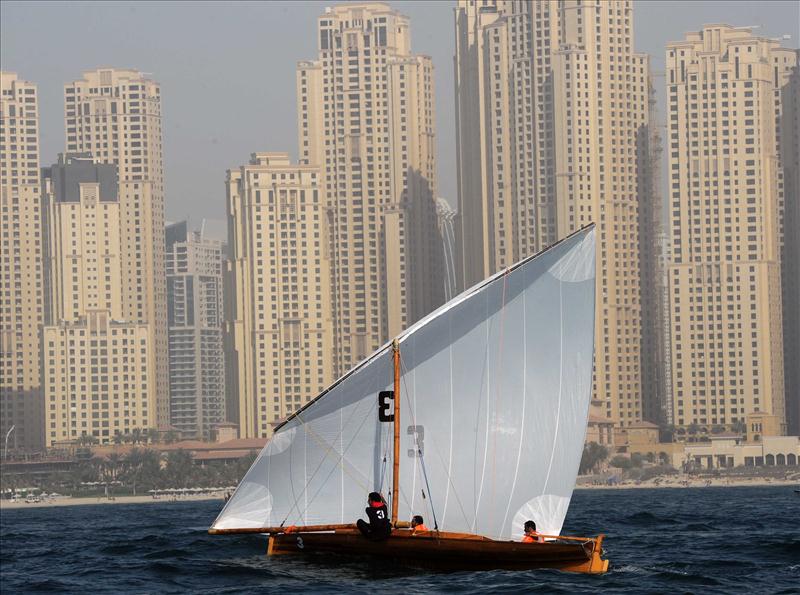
(396, 460)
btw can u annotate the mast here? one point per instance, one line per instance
(396, 459)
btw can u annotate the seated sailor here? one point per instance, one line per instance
(418, 525)
(379, 526)
(531, 536)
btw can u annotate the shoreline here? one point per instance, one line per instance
(674, 483)
(102, 500)
(670, 483)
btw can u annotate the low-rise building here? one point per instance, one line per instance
(726, 451)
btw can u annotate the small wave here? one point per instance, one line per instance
(629, 568)
(685, 577)
(647, 519)
(47, 585)
(699, 527)
(166, 553)
(164, 568)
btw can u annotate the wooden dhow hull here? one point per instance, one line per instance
(448, 551)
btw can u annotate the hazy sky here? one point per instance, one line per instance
(227, 70)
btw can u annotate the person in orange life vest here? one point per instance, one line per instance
(417, 525)
(531, 536)
(379, 527)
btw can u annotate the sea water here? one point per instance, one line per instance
(701, 540)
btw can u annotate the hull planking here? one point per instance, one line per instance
(448, 551)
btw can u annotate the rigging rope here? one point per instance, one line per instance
(427, 485)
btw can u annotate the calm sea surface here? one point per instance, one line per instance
(707, 540)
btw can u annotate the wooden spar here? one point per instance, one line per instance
(291, 529)
(396, 460)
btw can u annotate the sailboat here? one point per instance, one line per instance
(475, 417)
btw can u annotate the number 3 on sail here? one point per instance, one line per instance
(385, 406)
(498, 382)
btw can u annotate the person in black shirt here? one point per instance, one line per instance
(378, 526)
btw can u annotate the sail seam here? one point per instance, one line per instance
(450, 448)
(488, 396)
(524, 401)
(560, 378)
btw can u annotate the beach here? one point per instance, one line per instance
(95, 500)
(662, 482)
(676, 481)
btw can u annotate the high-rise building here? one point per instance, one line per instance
(94, 363)
(652, 271)
(668, 414)
(551, 109)
(278, 328)
(727, 224)
(195, 313)
(115, 115)
(366, 119)
(787, 119)
(21, 282)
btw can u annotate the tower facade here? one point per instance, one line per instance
(278, 328)
(195, 315)
(366, 119)
(551, 114)
(94, 363)
(21, 279)
(786, 63)
(115, 116)
(727, 225)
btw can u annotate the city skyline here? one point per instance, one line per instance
(556, 128)
(198, 146)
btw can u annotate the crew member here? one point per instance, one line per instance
(378, 527)
(531, 536)
(417, 525)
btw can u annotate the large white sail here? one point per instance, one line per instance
(495, 390)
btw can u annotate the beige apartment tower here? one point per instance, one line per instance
(94, 363)
(787, 119)
(195, 315)
(366, 119)
(727, 225)
(21, 289)
(552, 121)
(278, 331)
(115, 115)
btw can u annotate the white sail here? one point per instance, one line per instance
(495, 390)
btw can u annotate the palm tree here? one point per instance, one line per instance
(113, 466)
(87, 440)
(118, 438)
(136, 435)
(179, 468)
(133, 466)
(593, 455)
